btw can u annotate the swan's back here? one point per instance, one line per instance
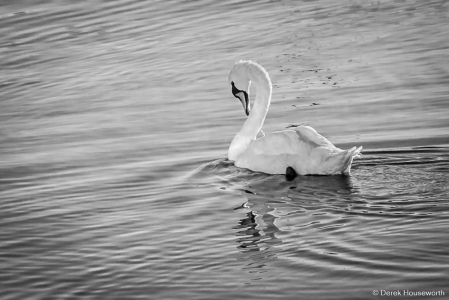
(302, 149)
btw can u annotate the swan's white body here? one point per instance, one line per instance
(302, 149)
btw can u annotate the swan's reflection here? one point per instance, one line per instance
(310, 185)
(249, 236)
(257, 233)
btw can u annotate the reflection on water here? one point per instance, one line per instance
(115, 117)
(378, 219)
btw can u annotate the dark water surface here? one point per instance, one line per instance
(115, 119)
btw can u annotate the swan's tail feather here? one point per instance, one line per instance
(354, 152)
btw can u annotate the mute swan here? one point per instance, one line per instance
(302, 150)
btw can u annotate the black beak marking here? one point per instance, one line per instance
(235, 91)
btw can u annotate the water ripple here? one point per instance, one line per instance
(115, 118)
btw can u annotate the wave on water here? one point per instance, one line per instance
(376, 220)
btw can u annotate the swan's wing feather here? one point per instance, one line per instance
(304, 141)
(309, 135)
(278, 143)
(303, 149)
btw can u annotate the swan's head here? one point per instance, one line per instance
(239, 82)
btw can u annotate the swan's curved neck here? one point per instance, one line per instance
(256, 118)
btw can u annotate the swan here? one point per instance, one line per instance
(298, 151)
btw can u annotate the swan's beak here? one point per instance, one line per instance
(243, 97)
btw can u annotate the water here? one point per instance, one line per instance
(115, 119)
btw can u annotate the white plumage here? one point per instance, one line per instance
(302, 149)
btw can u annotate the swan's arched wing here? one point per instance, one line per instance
(303, 149)
(303, 140)
(309, 135)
